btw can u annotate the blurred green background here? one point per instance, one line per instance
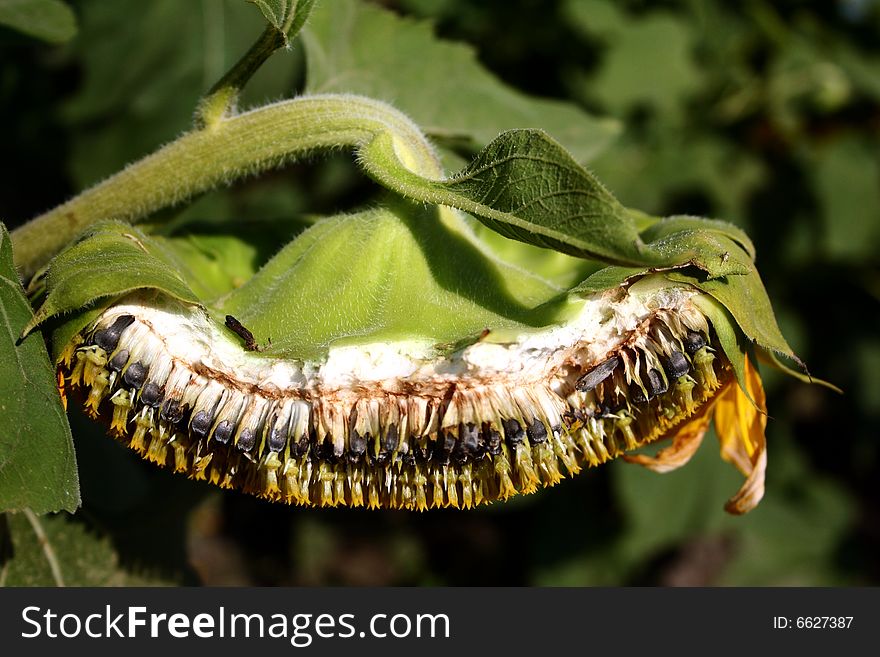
(766, 114)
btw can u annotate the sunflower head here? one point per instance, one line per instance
(409, 357)
(420, 411)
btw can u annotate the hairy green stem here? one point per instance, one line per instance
(220, 154)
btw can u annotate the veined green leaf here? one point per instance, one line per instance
(527, 187)
(715, 254)
(359, 48)
(275, 11)
(111, 259)
(37, 461)
(49, 20)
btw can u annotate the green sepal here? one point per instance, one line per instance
(662, 227)
(716, 247)
(730, 338)
(747, 301)
(770, 358)
(111, 259)
(607, 278)
(64, 328)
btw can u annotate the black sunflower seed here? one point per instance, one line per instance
(468, 442)
(447, 445)
(357, 446)
(246, 439)
(389, 442)
(656, 385)
(108, 338)
(513, 432)
(278, 437)
(300, 447)
(693, 342)
(223, 432)
(323, 450)
(493, 440)
(201, 423)
(597, 375)
(117, 363)
(172, 412)
(151, 395)
(676, 365)
(537, 432)
(135, 375)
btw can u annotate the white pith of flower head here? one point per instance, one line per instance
(168, 331)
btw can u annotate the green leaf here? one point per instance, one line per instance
(275, 11)
(678, 224)
(49, 20)
(359, 48)
(57, 550)
(286, 16)
(715, 247)
(37, 461)
(111, 259)
(527, 187)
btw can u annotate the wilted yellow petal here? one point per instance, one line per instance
(740, 428)
(684, 444)
(751, 492)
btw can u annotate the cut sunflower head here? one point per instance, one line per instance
(410, 357)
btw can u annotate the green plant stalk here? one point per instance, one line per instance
(222, 97)
(232, 148)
